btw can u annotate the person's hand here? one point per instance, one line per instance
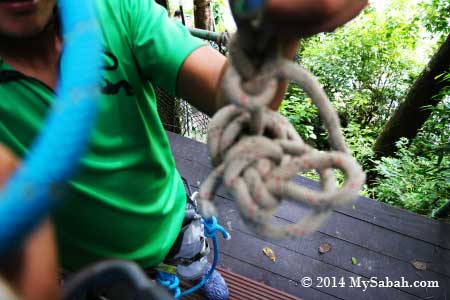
(294, 19)
(8, 163)
(32, 271)
(300, 18)
(199, 77)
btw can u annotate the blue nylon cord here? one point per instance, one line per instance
(169, 281)
(32, 190)
(172, 282)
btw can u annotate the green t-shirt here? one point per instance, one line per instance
(128, 200)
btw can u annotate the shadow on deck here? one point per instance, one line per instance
(369, 239)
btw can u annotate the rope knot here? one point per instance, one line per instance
(170, 281)
(212, 226)
(257, 152)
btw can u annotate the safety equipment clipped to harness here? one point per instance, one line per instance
(189, 258)
(189, 254)
(256, 151)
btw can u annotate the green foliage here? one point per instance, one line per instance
(367, 66)
(418, 179)
(433, 139)
(218, 7)
(360, 141)
(436, 16)
(416, 183)
(301, 113)
(366, 69)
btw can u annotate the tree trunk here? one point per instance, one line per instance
(410, 115)
(202, 14)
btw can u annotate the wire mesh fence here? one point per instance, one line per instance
(179, 116)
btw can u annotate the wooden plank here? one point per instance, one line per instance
(393, 218)
(243, 288)
(295, 266)
(271, 279)
(381, 240)
(370, 263)
(184, 147)
(354, 231)
(389, 217)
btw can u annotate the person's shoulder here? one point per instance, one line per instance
(117, 6)
(126, 11)
(113, 13)
(111, 6)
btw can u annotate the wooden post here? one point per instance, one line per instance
(410, 115)
(202, 14)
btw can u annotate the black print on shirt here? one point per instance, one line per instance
(113, 88)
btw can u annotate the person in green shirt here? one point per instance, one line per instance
(127, 200)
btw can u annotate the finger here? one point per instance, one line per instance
(306, 27)
(310, 10)
(8, 163)
(308, 17)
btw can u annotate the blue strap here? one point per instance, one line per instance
(31, 192)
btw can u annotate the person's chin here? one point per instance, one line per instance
(22, 32)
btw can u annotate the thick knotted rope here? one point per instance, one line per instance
(256, 151)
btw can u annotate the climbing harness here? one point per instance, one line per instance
(255, 151)
(190, 262)
(171, 281)
(30, 193)
(190, 251)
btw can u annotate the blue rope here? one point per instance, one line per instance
(31, 192)
(212, 226)
(171, 281)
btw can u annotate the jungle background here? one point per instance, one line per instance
(387, 73)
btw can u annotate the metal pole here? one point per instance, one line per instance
(218, 37)
(182, 15)
(180, 3)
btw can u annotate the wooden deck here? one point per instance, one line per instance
(383, 241)
(242, 288)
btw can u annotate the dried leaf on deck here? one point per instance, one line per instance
(419, 265)
(324, 248)
(269, 253)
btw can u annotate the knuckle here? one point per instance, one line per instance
(329, 8)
